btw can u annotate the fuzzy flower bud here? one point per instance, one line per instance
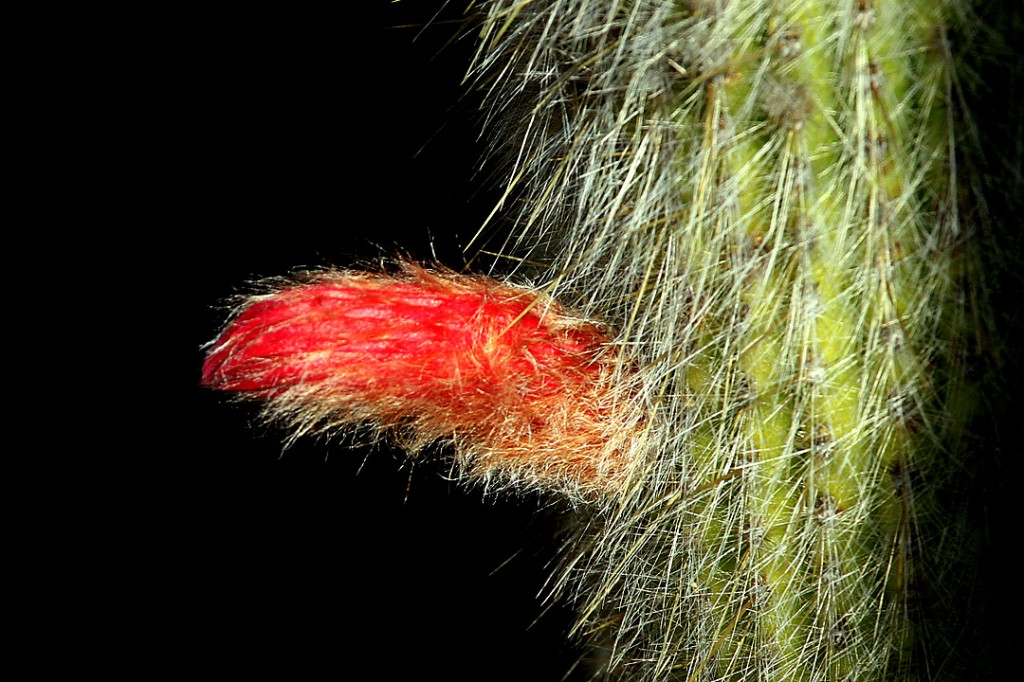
(521, 387)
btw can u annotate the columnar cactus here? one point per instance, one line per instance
(773, 202)
(774, 212)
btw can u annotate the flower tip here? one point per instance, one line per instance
(211, 377)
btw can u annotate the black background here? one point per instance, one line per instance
(297, 140)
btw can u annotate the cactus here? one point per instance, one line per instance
(777, 210)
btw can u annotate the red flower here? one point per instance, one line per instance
(521, 387)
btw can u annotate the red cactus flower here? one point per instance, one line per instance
(522, 388)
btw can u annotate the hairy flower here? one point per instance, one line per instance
(520, 386)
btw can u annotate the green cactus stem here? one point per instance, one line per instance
(773, 202)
